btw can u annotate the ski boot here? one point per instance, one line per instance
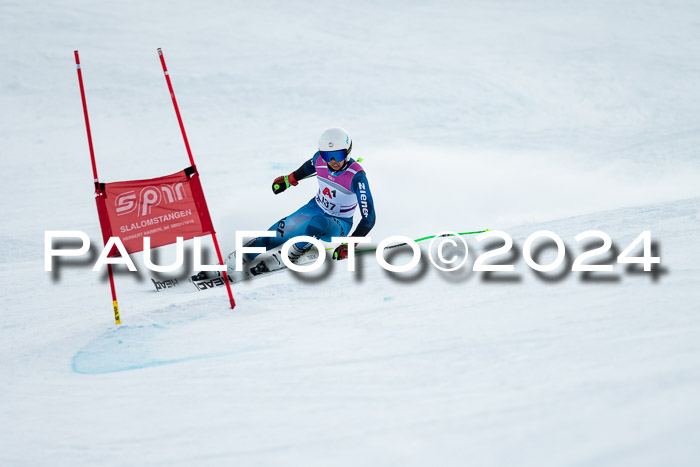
(272, 260)
(230, 269)
(205, 275)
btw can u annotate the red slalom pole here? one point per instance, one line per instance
(189, 153)
(177, 109)
(98, 192)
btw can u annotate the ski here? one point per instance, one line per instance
(216, 279)
(240, 276)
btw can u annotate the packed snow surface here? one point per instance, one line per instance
(513, 116)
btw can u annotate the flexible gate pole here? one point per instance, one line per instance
(98, 192)
(189, 153)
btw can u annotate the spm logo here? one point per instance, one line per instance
(148, 197)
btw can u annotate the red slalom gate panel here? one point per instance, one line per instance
(161, 208)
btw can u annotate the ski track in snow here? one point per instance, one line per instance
(517, 117)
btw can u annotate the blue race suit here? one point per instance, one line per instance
(312, 220)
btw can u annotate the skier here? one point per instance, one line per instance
(342, 187)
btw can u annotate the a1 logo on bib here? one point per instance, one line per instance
(330, 193)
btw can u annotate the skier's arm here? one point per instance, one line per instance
(307, 169)
(283, 182)
(364, 203)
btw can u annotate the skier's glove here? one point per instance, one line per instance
(282, 183)
(340, 253)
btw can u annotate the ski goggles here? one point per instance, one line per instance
(338, 156)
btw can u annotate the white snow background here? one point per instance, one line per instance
(519, 116)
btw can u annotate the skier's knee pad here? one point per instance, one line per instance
(317, 226)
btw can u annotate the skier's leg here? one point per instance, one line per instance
(310, 221)
(323, 227)
(288, 227)
(285, 228)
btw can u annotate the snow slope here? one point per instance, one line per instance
(509, 115)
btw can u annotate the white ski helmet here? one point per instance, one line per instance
(335, 143)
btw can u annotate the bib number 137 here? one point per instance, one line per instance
(321, 198)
